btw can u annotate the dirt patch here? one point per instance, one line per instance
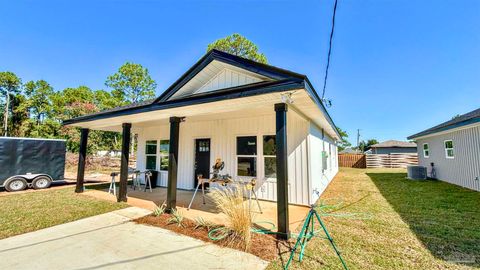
(264, 246)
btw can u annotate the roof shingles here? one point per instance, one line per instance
(462, 120)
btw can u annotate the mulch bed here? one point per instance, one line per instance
(264, 246)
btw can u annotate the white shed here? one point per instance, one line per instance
(263, 122)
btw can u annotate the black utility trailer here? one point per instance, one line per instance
(30, 162)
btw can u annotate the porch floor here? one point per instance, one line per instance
(149, 200)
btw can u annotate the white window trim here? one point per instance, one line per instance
(152, 155)
(160, 155)
(446, 149)
(428, 149)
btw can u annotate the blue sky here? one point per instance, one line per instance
(398, 67)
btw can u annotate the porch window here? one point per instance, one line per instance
(164, 149)
(449, 149)
(269, 156)
(247, 156)
(151, 155)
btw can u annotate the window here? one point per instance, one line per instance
(269, 156)
(449, 149)
(247, 156)
(426, 150)
(164, 148)
(151, 155)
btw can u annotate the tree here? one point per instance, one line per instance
(344, 143)
(9, 84)
(39, 99)
(239, 45)
(131, 83)
(365, 146)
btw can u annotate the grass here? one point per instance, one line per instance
(410, 224)
(31, 211)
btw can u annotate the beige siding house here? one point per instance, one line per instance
(451, 150)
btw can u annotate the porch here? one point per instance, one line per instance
(150, 200)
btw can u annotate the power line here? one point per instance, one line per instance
(329, 49)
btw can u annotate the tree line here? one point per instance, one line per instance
(35, 109)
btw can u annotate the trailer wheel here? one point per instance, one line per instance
(41, 182)
(16, 184)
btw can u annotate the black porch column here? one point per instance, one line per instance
(282, 170)
(122, 189)
(82, 154)
(173, 163)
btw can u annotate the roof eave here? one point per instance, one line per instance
(235, 92)
(427, 133)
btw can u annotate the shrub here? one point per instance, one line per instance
(200, 222)
(176, 217)
(239, 219)
(159, 210)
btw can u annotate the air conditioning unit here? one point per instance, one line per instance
(415, 172)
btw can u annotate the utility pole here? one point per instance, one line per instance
(358, 138)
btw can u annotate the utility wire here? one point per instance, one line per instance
(329, 49)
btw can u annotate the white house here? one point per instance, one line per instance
(262, 121)
(451, 150)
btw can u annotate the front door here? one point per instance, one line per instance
(202, 159)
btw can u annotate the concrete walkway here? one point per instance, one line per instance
(112, 241)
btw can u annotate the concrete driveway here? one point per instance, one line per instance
(112, 241)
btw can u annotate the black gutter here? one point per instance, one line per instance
(229, 93)
(313, 93)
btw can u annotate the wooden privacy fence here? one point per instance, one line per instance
(396, 160)
(352, 160)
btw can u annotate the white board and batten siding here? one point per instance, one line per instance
(223, 134)
(464, 168)
(218, 75)
(321, 176)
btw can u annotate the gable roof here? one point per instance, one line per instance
(268, 71)
(279, 80)
(462, 120)
(394, 143)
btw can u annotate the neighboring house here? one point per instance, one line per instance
(394, 147)
(262, 121)
(453, 147)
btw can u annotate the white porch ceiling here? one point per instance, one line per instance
(225, 109)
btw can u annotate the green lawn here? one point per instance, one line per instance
(405, 224)
(26, 212)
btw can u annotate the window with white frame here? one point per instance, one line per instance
(151, 155)
(426, 150)
(449, 153)
(247, 156)
(269, 156)
(164, 149)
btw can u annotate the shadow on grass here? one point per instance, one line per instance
(444, 217)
